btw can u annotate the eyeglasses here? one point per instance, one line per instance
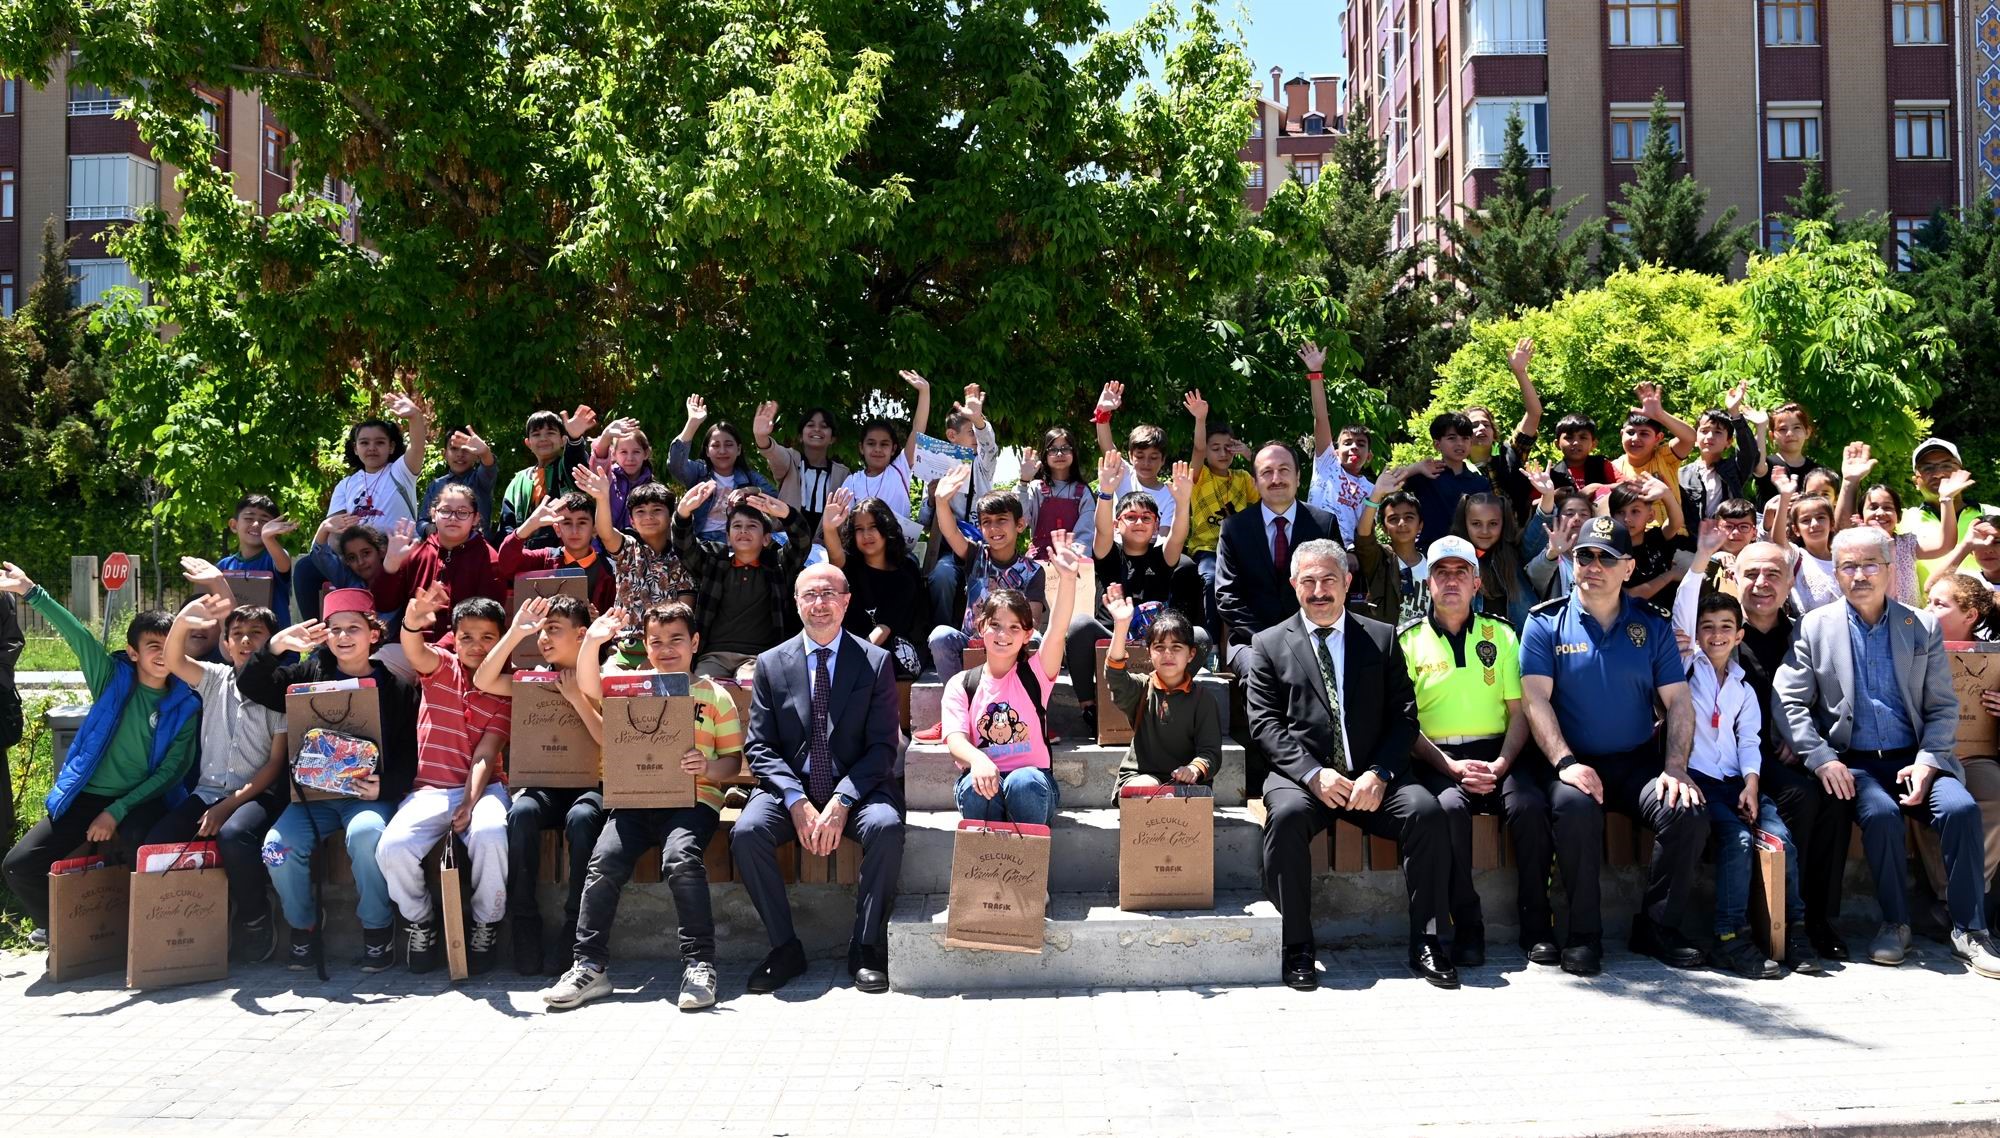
(1859, 568)
(1596, 557)
(441, 512)
(1937, 468)
(1060, 450)
(820, 596)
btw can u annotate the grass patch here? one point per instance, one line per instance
(46, 654)
(31, 769)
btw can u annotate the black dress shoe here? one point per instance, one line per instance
(786, 963)
(1583, 960)
(1828, 944)
(1468, 953)
(1664, 944)
(869, 965)
(1543, 952)
(1301, 971)
(1428, 960)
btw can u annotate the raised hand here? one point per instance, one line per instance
(277, 527)
(1112, 397)
(424, 605)
(607, 626)
(402, 539)
(580, 421)
(1855, 462)
(975, 402)
(764, 421)
(697, 408)
(621, 427)
(1063, 556)
(1652, 489)
(407, 407)
(915, 380)
(1195, 404)
(1182, 483)
(1782, 480)
(1522, 355)
(697, 494)
(1954, 484)
(1031, 465)
(337, 524)
(532, 616)
(469, 440)
(1538, 477)
(301, 637)
(1732, 400)
(207, 610)
(1110, 472)
(770, 504)
(1118, 605)
(199, 573)
(839, 505)
(1649, 399)
(1709, 542)
(1313, 356)
(591, 482)
(1562, 539)
(1391, 481)
(953, 483)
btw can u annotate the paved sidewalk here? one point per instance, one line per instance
(1520, 1050)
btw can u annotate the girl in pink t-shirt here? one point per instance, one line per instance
(995, 732)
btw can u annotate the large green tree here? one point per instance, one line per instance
(1817, 201)
(1665, 211)
(1518, 250)
(1955, 279)
(625, 203)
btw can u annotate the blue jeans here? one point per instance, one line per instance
(306, 582)
(288, 853)
(1211, 617)
(943, 583)
(1735, 844)
(1028, 795)
(1951, 812)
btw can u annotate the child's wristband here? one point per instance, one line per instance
(1100, 415)
(1371, 503)
(1315, 375)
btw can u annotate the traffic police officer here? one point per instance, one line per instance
(1466, 668)
(1593, 665)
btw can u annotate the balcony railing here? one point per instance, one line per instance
(1491, 159)
(79, 107)
(1508, 47)
(103, 213)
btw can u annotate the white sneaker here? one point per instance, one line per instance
(1891, 943)
(697, 986)
(38, 938)
(578, 986)
(1976, 949)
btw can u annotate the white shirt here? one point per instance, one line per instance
(380, 499)
(1727, 720)
(1291, 516)
(893, 487)
(1339, 493)
(1336, 647)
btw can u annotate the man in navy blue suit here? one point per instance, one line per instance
(823, 738)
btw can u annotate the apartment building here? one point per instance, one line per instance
(63, 156)
(1898, 100)
(1291, 137)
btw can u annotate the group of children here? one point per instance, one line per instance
(187, 737)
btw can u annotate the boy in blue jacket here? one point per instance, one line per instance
(129, 762)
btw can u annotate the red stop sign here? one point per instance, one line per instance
(117, 572)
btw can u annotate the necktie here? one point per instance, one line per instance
(1330, 678)
(819, 759)
(1281, 548)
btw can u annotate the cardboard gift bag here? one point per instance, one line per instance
(550, 746)
(87, 902)
(999, 886)
(350, 707)
(1767, 894)
(1166, 848)
(178, 916)
(451, 896)
(1113, 728)
(570, 582)
(649, 721)
(250, 586)
(1975, 670)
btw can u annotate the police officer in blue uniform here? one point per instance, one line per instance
(1595, 665)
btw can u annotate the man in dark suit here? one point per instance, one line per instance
(1254, 552)
(822, 741)
(1332, 706)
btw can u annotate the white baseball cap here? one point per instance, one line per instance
(1449, 549)
(1935, 443)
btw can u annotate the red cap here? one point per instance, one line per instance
(346, 600)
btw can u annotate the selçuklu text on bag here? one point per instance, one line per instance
(177, 916)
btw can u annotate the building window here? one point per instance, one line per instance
(90, 280)
(1441, 192)
(1907, 229)
(1921, 131)
(1792, 135)
(6, 294)
(1399, 131)
(1256, 175)
(1486, 131)
(1645, 23)
(1916, 21)
(108, 187)
(1778, 234)
(90, 99)
(1306, 170)
(1506, 27)
(274, 152)
(10, 95)
(1631, 123)
(1791, 23)
(1257, 124)
(8, 186)
(211, 118)
(1404, 224)
(1621, 228)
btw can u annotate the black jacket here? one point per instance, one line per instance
(1250, 593)
(1289, 716)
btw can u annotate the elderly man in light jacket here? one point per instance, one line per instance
(1865, 697)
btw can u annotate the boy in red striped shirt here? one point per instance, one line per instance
(460, 785)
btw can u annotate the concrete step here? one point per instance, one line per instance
(1083, 857)
(1065, 718)
(1092, 943)
(1086, 772)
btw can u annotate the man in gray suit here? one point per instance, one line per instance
(1865, 699)
(822, 741)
